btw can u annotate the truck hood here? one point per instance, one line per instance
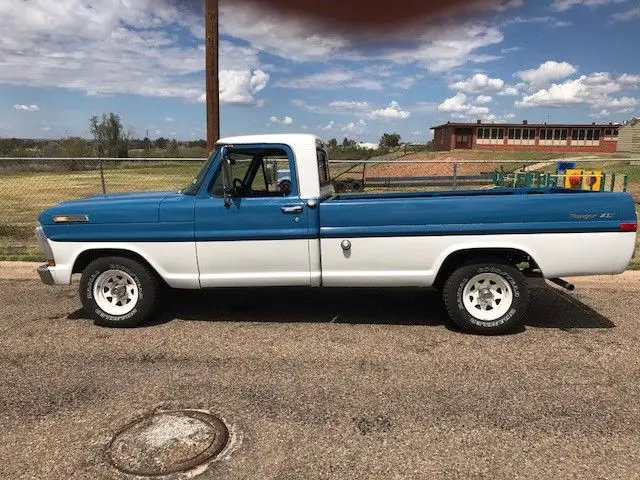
(111, 209)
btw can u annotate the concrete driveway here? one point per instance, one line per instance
(344, 384)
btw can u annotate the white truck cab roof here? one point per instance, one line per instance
(304, 147)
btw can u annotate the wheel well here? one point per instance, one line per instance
(512, 256)
(88, 256)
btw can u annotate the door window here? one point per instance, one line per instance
(258, 172)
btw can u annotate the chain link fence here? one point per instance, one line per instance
(30, 185)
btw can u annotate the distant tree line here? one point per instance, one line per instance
(110, 139)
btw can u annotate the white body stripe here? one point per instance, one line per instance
(404, 261)
(254, 263)
(175, 262)
(384, 261)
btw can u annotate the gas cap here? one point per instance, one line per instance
(346, 245)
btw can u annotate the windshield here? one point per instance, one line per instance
(196, 183)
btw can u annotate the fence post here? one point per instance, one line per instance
(364, 176)
(626, 183)
(455, 176)
(104, 186)
(603, 182)
(613, 182)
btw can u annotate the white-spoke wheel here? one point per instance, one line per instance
(115, 292)
(487, 296)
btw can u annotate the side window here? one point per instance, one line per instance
(258, 172)
(323, 167)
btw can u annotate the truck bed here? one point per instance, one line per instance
(403, 238)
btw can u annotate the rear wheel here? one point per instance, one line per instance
(118, 292)
(489, 298)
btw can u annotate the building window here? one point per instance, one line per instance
(494, 133)
(608, 132)
(615, 132)
(581, 134)
(564, 133)
(511, 134)
(596, 134)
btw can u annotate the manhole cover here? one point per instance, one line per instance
(167, 442)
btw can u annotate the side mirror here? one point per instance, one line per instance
(227, 176)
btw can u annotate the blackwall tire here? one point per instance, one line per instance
(118, 292)
(486, 298)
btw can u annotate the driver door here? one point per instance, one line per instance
(261, 238)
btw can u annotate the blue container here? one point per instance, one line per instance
(562, 167)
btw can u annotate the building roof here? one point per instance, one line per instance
(529, 125)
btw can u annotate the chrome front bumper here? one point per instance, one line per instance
(45, 275)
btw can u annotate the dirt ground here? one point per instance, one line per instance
(336, 384)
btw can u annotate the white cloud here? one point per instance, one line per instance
(285, 121)
(405, 83)
(629, 80)
(509, 91)
(484, 99)
(546, 73)
(333, 79)
(601, 114)
(27, 108)
(562, 5)
(350, 106)
(238, 87)
(65, 38)
(355, 128)
(169, 119)
(392, 112)
(552, 22)
(459, 108)
(627, 16)
(479, 83)
(329, 126)
(593, 90)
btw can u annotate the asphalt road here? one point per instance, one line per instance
(344, 384)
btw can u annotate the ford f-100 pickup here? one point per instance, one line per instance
(235, 226)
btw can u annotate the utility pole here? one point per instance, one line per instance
(213, 84)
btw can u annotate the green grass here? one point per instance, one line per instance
(24, 195)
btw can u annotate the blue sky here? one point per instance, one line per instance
(563, 60)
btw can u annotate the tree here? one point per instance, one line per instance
(161, 143)
(346, 143)
(333, 144)
(173, 150)
(110, 138)
(390, 140)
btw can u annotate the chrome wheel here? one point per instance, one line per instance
(487, 297)
(115, 292)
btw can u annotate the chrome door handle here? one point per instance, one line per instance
(295, 209)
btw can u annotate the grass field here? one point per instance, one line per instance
(24, 195)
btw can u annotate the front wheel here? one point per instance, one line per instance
(118, 292)
(486, 298)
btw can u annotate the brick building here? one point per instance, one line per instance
(575, 138)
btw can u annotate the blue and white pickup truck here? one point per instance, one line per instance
(231, 227)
